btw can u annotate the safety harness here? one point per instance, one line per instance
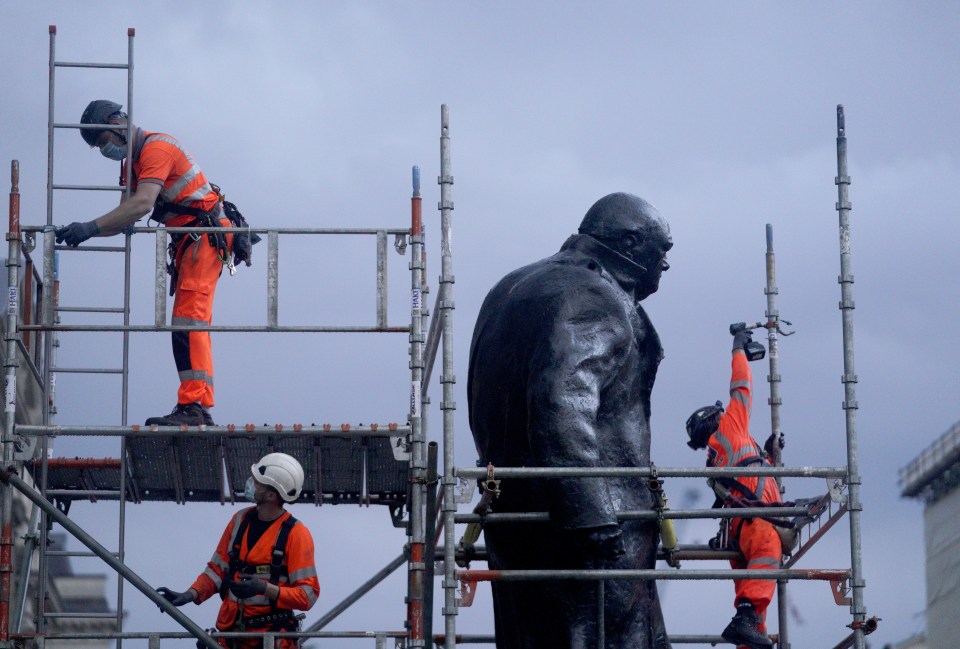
(277, 619)
(732, 493)
(243, 239)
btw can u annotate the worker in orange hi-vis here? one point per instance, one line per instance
(263, 567)
(726, 436)
(167, 181)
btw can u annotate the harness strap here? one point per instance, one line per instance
(279, 553)
(234, 552)
(277, 567)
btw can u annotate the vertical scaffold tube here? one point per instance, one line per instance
(160, 280)
(125, 387)
(849, 383)
(52, 74)
(447, 379)
(10, 398)
(773, 322)
(273, 277)
(415, 601)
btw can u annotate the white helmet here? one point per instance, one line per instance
(282, 472)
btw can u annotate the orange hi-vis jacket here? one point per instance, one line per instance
(299, 587)
(159, 158)
(731, 446)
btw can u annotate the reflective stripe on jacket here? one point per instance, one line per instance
(732, 444)
(299, 588)
(160, 159)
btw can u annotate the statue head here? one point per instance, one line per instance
(634, 230)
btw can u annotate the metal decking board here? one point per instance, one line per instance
(180, 469)
(387, 478)
(165, 468)
(86, 478)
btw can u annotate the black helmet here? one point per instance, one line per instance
(702, 424)
(98, 111)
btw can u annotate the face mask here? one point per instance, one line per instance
(249, 489)
(113, 151)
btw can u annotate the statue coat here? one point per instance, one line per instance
(562, 364)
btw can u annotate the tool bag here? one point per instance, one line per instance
(241, 251)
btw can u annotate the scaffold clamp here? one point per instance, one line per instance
(869, 625)
(491, 484)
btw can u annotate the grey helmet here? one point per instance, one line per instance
(98, 111)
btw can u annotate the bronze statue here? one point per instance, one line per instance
(562, 364)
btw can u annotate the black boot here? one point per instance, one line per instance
(190, 414)
(742, 629)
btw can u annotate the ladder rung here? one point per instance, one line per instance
(71, 64)
(99, 188)
(99, 616)
(76, 553)
(86, 370)
(89, 309)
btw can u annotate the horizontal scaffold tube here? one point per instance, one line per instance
(645, 472)
(640, 515)
(620, 575)
(369, 231)
(146, 635)
(248, 430)
(220, 329)
(675, 639)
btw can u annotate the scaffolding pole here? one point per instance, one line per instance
(773, 328)
(447, 379)
(10, 398)
(849, 380)
(416, 567)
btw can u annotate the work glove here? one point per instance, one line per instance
(601, 543)
(76, 233)
(741, 338)
(248, 586)
(768, 445)
(175, 598)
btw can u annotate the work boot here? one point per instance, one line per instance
(742, 630)
(191, 414)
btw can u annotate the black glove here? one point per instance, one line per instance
(76, 233)
(768, 445)
(604, 542)
(248, 586)
(741, 338)
(175, 598)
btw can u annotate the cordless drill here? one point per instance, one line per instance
(754, 350)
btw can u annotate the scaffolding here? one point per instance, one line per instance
(393, 465)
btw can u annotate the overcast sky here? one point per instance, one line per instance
(721, 114)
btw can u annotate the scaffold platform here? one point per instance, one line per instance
(209, 466)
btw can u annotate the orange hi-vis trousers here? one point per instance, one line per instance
(198, 270)
(761, 548)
